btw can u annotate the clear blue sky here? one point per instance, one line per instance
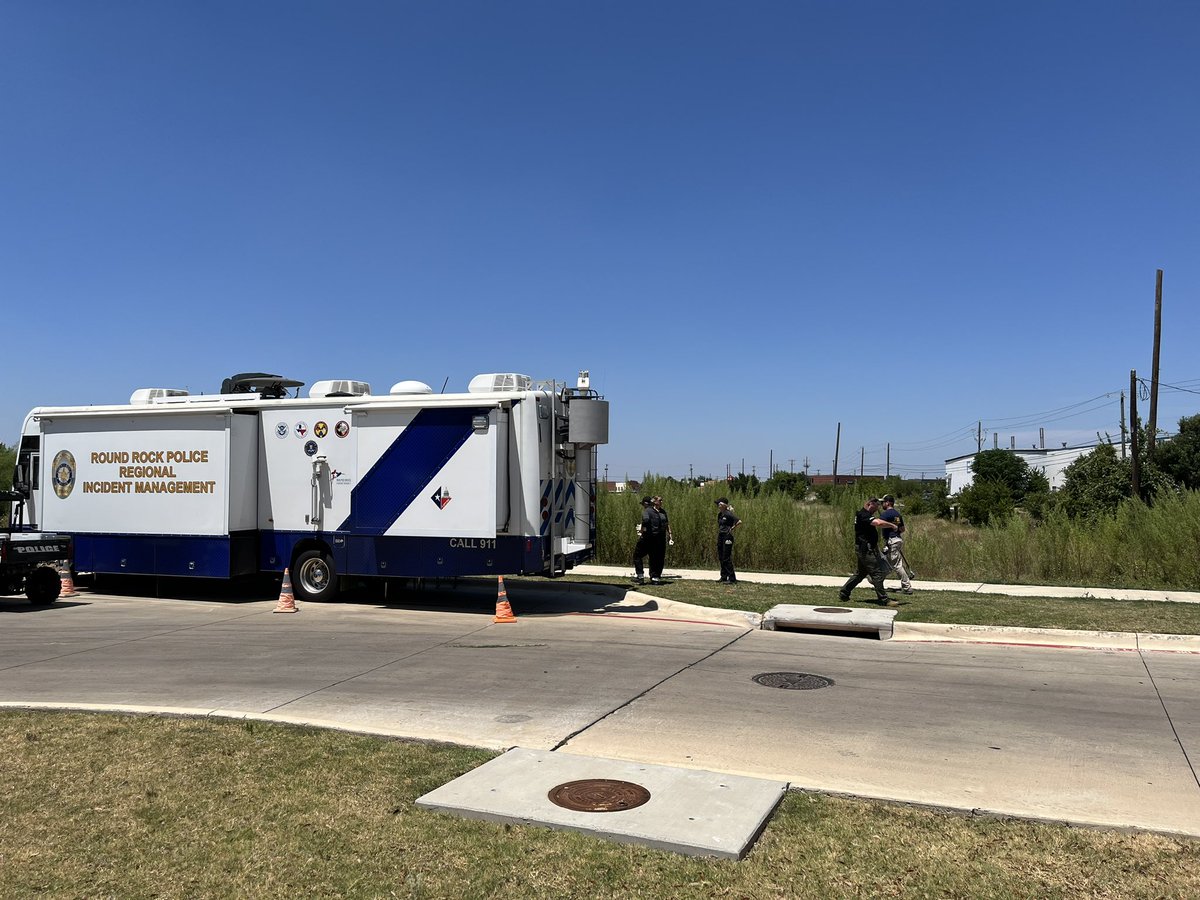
(750, 221)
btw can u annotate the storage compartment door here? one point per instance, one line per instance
(426, 473)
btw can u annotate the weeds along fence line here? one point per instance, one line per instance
(1141, 546)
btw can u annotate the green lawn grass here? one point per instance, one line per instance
(138, 807)
(947, 607)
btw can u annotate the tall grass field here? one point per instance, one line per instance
(1147, 547)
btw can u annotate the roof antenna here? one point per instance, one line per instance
(444, 383)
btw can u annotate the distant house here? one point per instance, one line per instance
(622, 487)
(1051, 463)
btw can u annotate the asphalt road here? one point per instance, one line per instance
(1086, 736)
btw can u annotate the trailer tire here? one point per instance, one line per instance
(313, 577)
(42, 586)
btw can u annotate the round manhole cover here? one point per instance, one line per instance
(831, 609)
(793, 681)
(598, 795)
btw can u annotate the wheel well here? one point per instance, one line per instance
(310, 544)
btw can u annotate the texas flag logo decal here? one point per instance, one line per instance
(441, 497)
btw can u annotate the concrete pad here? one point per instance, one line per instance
(793, 616)
(689, 811)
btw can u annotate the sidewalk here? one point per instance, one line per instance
(920, 631)
(975, 587)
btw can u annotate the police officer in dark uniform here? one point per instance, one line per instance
(726, 523)
(660, 533)
(866, 549)
(642, 548)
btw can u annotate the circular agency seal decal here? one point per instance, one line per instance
(63, 473)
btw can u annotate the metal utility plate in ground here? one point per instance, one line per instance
(690, 811)
(794, 617)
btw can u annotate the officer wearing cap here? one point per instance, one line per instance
(727, 523)
(866, 549)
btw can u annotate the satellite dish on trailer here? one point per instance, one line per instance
(269, 387)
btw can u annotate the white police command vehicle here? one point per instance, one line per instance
(498, 480)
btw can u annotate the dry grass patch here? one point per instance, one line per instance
(131, 807)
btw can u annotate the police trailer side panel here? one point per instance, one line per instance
(498, 480)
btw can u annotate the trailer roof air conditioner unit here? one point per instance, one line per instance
(499, 381)
(339, 389)
(146, 396)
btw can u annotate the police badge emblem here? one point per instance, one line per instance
(63, 473)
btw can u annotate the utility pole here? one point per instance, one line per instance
(691, 477)
(1123, 435)
(806, 467)
(979, 437)
(888, 470)
(771, 463)
(995, 440)
(862, 458)
(1152, 430)
(837, 445)
(1133, 432)
(1042, 438)
(791, 467)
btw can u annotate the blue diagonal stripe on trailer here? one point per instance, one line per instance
(401, 473)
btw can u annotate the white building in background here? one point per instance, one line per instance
(1051, 463)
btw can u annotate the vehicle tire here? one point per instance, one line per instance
(42, 586)
(313, 577)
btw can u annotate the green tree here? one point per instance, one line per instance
(986, 502)
(8, 461)
(745, 484)
(1003, 467)
(1038, 500)
(1179, 456)
(1096, 484)
(794, 484)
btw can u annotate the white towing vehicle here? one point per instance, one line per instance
(498, 480)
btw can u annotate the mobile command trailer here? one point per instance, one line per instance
(498, 480)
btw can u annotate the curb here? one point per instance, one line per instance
(1045, 637)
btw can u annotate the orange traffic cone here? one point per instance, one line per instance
(287, 603)
(67, 581)
(504, 611)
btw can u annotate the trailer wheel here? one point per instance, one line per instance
(42, 586)
(313, 577)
